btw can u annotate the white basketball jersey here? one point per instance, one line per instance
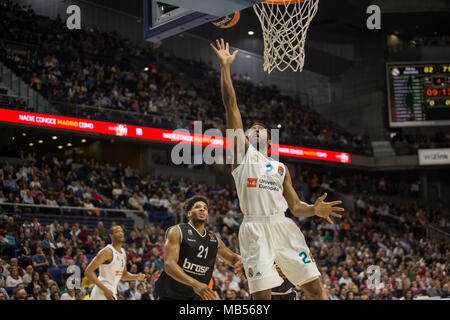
(110, 274)
(259, 184)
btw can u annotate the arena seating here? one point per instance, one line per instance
(89, 70)
(372, 232)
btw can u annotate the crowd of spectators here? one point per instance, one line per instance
(410, 143)
(427, 41)
(35, 256)
(89, 67)
(376, 195)
(356, 182)
(12, 102)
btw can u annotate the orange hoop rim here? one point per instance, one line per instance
(232, 23)
(279, 2)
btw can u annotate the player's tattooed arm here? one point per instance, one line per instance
(171, 255)
(105, 255)
(232, 259)
(301, 209)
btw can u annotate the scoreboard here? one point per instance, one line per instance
(418, 94)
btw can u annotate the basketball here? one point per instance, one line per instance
(228, 21)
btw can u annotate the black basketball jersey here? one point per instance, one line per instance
(197, 258)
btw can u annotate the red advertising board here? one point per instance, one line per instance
(154, 134)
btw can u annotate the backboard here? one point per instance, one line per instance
(163, 19)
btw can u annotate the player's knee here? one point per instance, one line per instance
(262, 295)
(313, 290)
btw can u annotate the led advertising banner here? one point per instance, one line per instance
(154, 134)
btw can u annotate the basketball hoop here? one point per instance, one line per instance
(285, 24)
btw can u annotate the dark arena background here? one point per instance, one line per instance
(94, 95)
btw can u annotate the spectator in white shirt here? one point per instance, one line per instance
(230, 222)
(116, 191)
(164, 202)
(142, 199)
(69, 295)
(21, 174)
(154, 201)
(14, 279)
(132, 293)
(123, 286)
(134, 203)
(73, 186)
(345, 279)
(28, 199)
(35, 182)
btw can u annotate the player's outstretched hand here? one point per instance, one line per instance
(141, 277)
(223, 52)
(326, 209)
(204, 291)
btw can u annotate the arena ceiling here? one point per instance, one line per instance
(336, 18)
(337, 22)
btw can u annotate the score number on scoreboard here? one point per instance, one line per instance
(437, 87)
(419, 94)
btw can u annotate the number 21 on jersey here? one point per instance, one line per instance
(203, 253)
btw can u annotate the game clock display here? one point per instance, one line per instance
(418, 94)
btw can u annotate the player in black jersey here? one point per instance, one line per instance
(189, 256)
(286, 291)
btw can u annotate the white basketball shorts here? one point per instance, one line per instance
(97, 294)
(264, 240)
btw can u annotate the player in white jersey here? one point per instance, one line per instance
(112, 264)
(265, 192)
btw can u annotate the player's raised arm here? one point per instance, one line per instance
(171, 255)
(232, 113)
(301, 209)
(103, 256)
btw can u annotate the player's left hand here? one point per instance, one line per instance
(141, 277)
(325, 209)
(239, 269)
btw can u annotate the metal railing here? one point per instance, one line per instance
(36, 102)
(107, 114)
(63, 209)
(437, 234)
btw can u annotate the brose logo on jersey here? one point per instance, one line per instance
(194, 268)
(251, 182)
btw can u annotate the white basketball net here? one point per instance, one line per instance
(284, 29)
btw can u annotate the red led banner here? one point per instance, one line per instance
(146, 133)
